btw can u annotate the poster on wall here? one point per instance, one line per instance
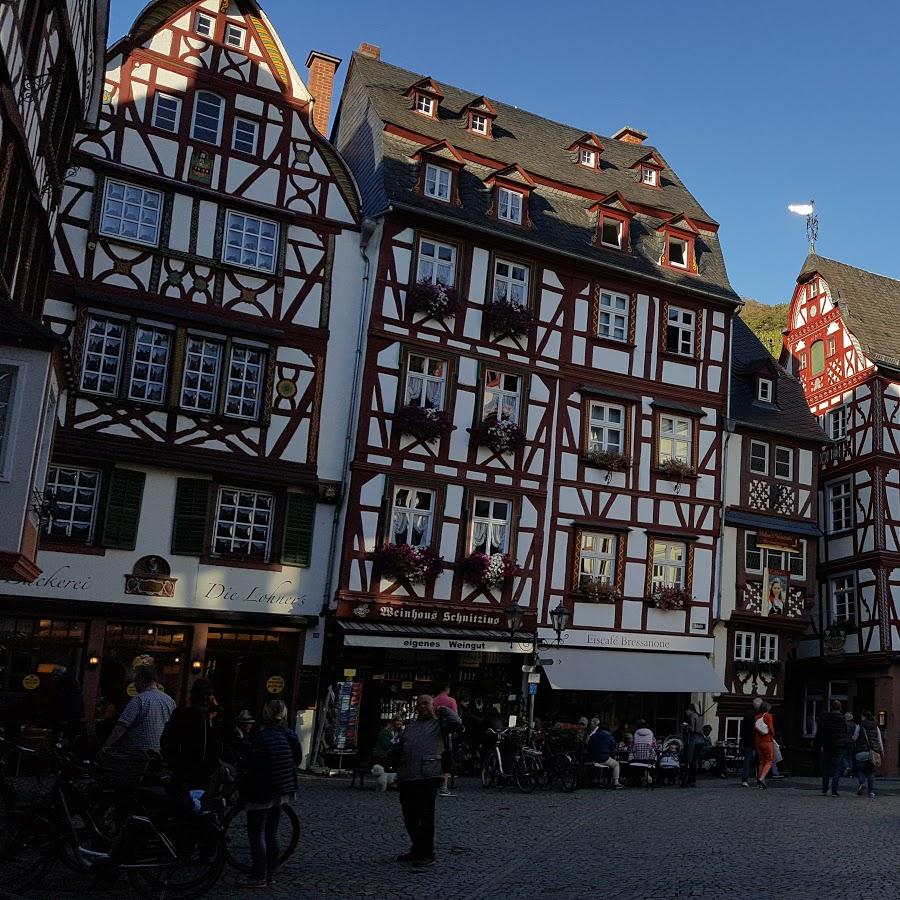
(346, 727)
(775, 591)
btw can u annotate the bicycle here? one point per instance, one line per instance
(524, 769)
(560, 765)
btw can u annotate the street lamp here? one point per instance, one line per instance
(559, 618)
(514, 617)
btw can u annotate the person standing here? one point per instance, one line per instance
(833, 738)
(748, 741)
(868, 749)
(387, 743)
(764, 727)
(191, 742)
(419, 774)
(443, 700)
(270, 783)
(693, 742)
(141, 723)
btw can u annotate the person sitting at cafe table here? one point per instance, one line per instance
(711, 752)
(600, 749)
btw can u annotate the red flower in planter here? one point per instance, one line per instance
(488, 571)
(426, 424)
(675, 469)
(502, 436)
(505, 318)
(417, 565)
(670, 597)
(437, 301)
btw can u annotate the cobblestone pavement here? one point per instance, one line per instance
(718, 840)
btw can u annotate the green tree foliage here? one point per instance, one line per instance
(766, 322)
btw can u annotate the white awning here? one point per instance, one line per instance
(632, 670)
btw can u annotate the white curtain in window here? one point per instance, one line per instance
(479, 536)
(433, 394)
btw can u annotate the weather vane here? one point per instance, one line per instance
(812, 220)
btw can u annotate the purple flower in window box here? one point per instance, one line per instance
(487, 571)
(609, 460)
(427, 425)
(501, 435)
(437, 301)
(505, 318)
(417, 565)
(676, 469)
(670, 596)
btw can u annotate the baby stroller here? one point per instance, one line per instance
(670, 760)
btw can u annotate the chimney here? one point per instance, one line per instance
(372, 50)
(320, 83)
(630, 135)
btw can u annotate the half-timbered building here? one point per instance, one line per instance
(208, 243)
(543, 391)
(770, 531)
(49, 86)
(843, 342)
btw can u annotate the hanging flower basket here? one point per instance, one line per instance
(773, 667)
(488, 571)
(417, 565)
(502, 436)
(596, 591)
(676, 470)
(606, 459)
(427, 425)
(507, 319)
(670, 597)
(437, 301)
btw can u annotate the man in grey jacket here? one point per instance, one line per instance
(419, 774)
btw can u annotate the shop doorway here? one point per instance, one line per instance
(168, 645)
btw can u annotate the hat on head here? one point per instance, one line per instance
(246, 716)
(583, 720)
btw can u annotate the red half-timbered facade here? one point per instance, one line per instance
(843, 343)
(207, 246)
(49, 86)
(543, 392)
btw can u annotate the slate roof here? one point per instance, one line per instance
(869, 303)
(789, 415)
(374, 96)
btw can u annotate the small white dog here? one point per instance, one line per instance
(383, 778)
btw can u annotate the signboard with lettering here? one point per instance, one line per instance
(629, 640)
(777, 540)
(405, 642)
(413, 614)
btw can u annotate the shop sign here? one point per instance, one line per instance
(461, 645)
(410, 614)
(275, 685)
(201, 167)
(776, 540)
(406, 686)
(31, 682)
(623, 640)
(256, 595)
(349, 673)
(151, 577)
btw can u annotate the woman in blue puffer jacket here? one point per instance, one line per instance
(271, 782)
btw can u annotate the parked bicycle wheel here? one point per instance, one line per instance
(27, 849)
(524, 773)
(565, 771)
(489, 771)
(237, 847)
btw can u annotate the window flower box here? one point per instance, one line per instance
(670, 597)
(676, 470)
(836, 636)
(427, 425)
(505, 318)
(595, 591)
(488, 571)
(437, 301)
(772, 667)
(501, 435)
(609, 460)
(416, 565)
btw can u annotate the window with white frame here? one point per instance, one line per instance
(768, 647)
(587, 157)
(743, 646)
(202, 369)
(207, 122)
(764, 390)
(509, 206)
(412, 513)
(479, 123)
(234, 35)
(424, 105)
(596, 559)
(437, 182)
(243, 389)
(802, 363)
(131, 212)
(840, 505)
(669, 564)
(75, 495)
(832, 346)
(150, 363)
(837, 420)
(759, 457)
(250, 242)
(649, 176)
(104, 344)
(680, 326)
(611, 231)
(784, 462)
(243, 525)
(843, 598)
(426, 381)
(781, 560)
(166, 112)
(48, 424)
(733, 729)
(612, 321)
(677, 252)
(490, 526)
(437, 263)
(8, 375)
(675, 439)
(244, 138)
(510, 282)
(502, 396)
(203, 24)
(606, 427)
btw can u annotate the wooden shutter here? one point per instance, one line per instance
(189, 523)
(299, 520)
(123, 509)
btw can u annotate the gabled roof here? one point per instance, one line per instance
(869, 304)
(511, 173)
(615, 201)
(652, 159)
(482, 105)
(426, 86)
(789, 414)
(588, 139)
(440, 148)
(680, 222)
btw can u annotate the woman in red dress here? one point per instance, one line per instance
(764, 735)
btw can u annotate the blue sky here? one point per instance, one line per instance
(755, 105)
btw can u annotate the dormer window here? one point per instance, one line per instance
(588, 158)
(649, 176)
(424, 105)
(479, 124)
(437, 182)
(677, 252)
(611, 232)
(509, 206)
(765, 389)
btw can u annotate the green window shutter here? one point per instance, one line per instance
(299, 519)
(189, 524)
(123, 509)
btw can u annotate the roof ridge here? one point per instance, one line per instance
(846, 265)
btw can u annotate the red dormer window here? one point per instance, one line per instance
(511, 191)
(480, 115)
(649, 169)
(679, 234)
(614, 215)
(425, 105)
(439, 166)
(587, 150)
(426, 96)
